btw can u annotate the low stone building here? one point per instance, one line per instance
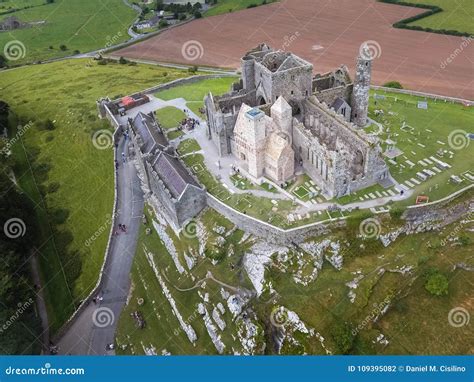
(279, 110)
(171, 187)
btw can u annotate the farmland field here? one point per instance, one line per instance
(457, 15)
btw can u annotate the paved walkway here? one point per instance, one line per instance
(84, 337)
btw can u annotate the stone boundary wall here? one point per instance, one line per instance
(299, 234)
(270, 232)
(415, 211)
(95, 291)
(422, 94)
(111, 118)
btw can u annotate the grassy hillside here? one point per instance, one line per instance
(69, 180)
(84, 25)
(373, 281)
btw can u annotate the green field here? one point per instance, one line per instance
(226, 6)
(169, 117)
(83, 26)
(66, 176)
(194, 93)
(188, 146)
(457, 15)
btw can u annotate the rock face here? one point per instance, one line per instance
(188, 329)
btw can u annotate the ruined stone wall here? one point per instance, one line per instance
(221, 116)
(315, 158)
(328, 96)
(268, 231)
(293, 84)
(338, 157)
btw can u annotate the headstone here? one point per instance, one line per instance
(423, 105)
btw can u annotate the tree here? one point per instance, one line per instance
(163, 23)
(393, 85)
(197, 15)
(437, 284)
(122, 60)
(342, 336)
(63, 47)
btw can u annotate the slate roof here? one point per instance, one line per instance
(147, 128)
(338, 103)
(173, 174)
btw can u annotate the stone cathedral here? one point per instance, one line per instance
(280, 119)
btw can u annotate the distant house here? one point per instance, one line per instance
(154, 21)
(12, 23)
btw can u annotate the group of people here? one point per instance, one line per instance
(121, 228)
(138, 317)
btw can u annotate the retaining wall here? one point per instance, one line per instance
(270, 232)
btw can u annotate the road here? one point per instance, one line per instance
(89, 334)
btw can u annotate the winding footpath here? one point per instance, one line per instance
(94, 328)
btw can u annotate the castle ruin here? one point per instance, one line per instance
(280, 119)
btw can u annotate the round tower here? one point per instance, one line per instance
(248, 72)
(360, 91)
